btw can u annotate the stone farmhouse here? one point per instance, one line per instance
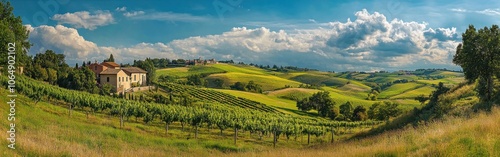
(122, 78)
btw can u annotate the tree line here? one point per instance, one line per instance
(326, 107)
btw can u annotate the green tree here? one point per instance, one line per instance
(252, 86)
(359, 114)
(346, 110)
(321, 102)
(479, 57)
(51, 75)
(422, 98)
(13, 31)
(195, 80)
(384, 110)
(111, 58)
(239, 86)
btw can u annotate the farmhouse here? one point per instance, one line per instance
(122, 78)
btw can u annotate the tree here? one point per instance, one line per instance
(321, 102)
(239, 86)
(195, 80)
(383, 111)
(13, 31)
(107, 89)
(51, 75)
(479, 56)
(110, 59)
(359, 114)
(252, 86)
(422, 98)
(346, 110)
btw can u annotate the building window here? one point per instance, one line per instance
(95, 67)
(126, 79)
(107, 78)
(135, 78)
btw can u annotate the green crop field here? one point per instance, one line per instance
(191, 70)
(240, 69)
(268, 82)
(316, 79)
(425, 90)
(398, 89)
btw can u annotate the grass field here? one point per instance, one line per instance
(316, 79)
(268, 82)
(191, 70)
(293, 91)
(240, 69)
(425, 90)
(398, 89)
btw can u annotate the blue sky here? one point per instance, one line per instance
(355, 35)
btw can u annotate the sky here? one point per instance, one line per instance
(329, 35)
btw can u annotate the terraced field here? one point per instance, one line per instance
(215, 96)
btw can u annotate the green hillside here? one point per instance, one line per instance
(268, 82)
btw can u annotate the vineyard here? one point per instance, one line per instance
(210, 115)
(215, 96)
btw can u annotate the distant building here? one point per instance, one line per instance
(122, 78)
(200, 61)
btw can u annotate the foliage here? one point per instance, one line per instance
(359, 114)
(479, 58)
(422, 98)
(13, 31)
(384, 110)
(82, 79)
(196, 80)
(321, 102)
(107, 89)
(239, 86)
(346, 109)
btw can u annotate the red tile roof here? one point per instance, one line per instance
(110, 71)
(129, 70)
(110, 64)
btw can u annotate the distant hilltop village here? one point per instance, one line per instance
(122, 78)
(200, 61)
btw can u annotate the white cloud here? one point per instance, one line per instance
(61, 39)
(131, 14)
(368, 43)
(165, 16)
(84, 19)
(458, 10)
(490, 12)
(121, 9)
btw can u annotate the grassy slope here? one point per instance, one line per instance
(425, 90)
(478, 136)
(268, 82)
(186, 71)
(398, 89)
